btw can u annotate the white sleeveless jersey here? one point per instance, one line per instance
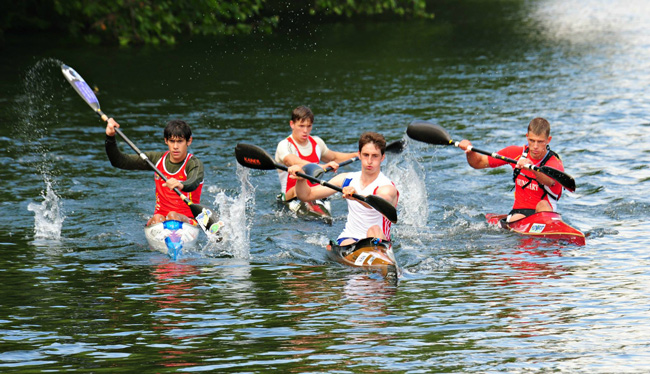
(360, 218)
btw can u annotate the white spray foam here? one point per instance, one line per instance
(48, 215)
(232, 211)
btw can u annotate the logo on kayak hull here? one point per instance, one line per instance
(537, 228)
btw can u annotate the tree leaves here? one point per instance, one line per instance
(128, 22)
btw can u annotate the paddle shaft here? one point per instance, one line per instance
(434, 134)
(321, 182)
(498, 156)
(255, 157)
(143, 156)
(346, 162)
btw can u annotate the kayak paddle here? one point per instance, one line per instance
(254, 157)
(434, 134)
(316, 171)
(202, 214)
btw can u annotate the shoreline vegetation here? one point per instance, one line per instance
(155, 22)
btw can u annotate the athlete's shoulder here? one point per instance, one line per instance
(555, 162)
(286, 146)
(284, 142)
(155, 156)
(319, 141)
(193, 159)
(353, 174)
(512, 151)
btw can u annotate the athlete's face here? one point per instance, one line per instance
(371, 158)
(178, 148)
(537, 145)
(301, 129)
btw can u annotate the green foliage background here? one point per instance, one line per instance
(128, 22)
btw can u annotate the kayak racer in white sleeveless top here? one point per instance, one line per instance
(301, 148)
(363, 221)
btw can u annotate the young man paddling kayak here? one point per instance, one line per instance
(182, 169)
(363, 221)
(300, 148)
(534, 191)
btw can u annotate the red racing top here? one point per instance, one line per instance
(167, 200)
(313, 157)
(528, 192)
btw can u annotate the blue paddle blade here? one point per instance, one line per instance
(80, 85)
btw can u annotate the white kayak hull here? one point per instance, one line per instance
(172, 237)
(317, 209)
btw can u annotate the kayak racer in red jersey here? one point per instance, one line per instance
(534, 191)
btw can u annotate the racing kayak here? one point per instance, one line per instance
(547, 225)
(371, 254)
(317, 209)
(172, 237)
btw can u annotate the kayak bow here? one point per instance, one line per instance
(172, 237)
(371, 254)
(547, 225)
(310, 210)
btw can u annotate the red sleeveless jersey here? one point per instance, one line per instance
(533, 193)
(313, 157)
(167, 200)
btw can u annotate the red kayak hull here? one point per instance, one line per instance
(548, 225)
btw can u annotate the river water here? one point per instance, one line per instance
(83, 292)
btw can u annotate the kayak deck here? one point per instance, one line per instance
(370, 254)
(172, 237)
(317, 209)
(547, 225)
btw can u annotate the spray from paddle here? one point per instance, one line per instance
(404, 170)
(48, 215)
(233, 211)
(35, 111)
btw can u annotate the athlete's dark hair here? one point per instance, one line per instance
(302, 113)
(177, 128)
(539, 126)
(373, 137)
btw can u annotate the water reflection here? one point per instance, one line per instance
(349, 311)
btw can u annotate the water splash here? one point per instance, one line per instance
(233, 212)
(48, 215)
(35, 110)
(408, 176)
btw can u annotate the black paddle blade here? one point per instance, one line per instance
(314, 170)
(428, 132)
(396, 147)
(562, 178)
(382, 206)
(80, 85)
(253, 157)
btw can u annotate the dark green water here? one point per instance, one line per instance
(83, 292)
